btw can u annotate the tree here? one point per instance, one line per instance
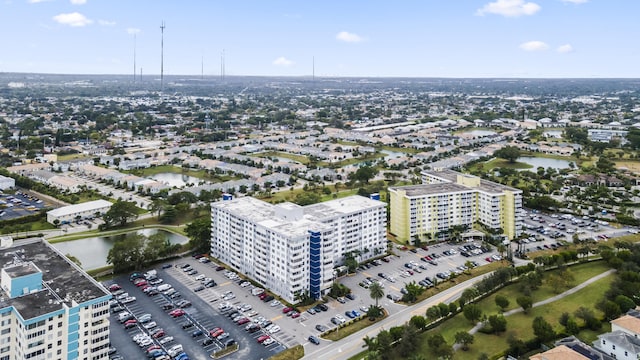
(199, 232)
(465, 339)
(376, 292)
(572, 327)
(472, 312)
(413, 291)
(363, 174)
(127, 253)
(525, 302)
(509, 153)
(468, 295)
(498, 323)
(625, 303)
(502, 302)
(418, 321)
(542, 329)
(157, 205)
(410, 340)
(120, 213)
(384, 342)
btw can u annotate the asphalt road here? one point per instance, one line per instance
(353, 344)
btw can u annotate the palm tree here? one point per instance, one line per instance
(376, 292)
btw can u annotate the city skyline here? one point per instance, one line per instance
(483, 38)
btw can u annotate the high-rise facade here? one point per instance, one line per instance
(50, 308)
(292, 249)
(447, 198)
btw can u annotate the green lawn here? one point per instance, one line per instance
(200, 174)
(502, 163)
(519, 324)
(298, 158)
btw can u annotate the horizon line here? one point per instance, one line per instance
(331, 76)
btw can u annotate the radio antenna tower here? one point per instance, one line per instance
(313, 68)
(162, 56)
(222, 64)
(134, 58)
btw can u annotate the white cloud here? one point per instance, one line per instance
(106, 22)
(348, 37)
(509, 8)
(78, 2)
(74, 19)
(534, 46)
(576, 1)
(566, 48)
(133, 31)
(37, 1)
(283, 61)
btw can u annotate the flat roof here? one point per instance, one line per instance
(264, 214)
(485, 185)
(339, 207)
(21, 269)
(432, 189)
(63, 282)
(82, 207)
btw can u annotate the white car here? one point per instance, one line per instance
(269, 341)
(129, 299)
(199, 277)
(274, 329)
(150, 325)
(166, 339)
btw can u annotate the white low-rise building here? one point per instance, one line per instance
(67, 214)
(7, 182)
(292, 249)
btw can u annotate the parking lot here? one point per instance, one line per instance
(193, 329)
(19, 204)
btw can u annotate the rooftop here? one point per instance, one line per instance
(339, 207)
(82, 207)
(21, 269)
(264, 214)
(431, 189)
(485, 185)
(63, 281)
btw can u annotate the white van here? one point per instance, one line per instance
(164, 287)
(175, 350)
(257, 291)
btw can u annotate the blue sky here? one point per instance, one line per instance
(412, 38)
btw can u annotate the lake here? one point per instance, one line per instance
(176, 180)
(479, 132)
(537, 162)
(92, 252)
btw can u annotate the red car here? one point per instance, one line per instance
(114, 287)
(295, 314)
(489, 259)
(153, 347)
(243, 321)
(130, 323)
(286, 310)
(262, 338)
(159, 334)
(177, 313)
(141, 283)
(263, 295)
(216, 333)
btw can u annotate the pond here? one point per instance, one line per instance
(92, 252)
(537, 162)
(388, 154)
(479, 132)
(176, 180)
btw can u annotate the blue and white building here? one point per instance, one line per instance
(49, 307)
(293, 249)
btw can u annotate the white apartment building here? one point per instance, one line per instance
(89, 209)
(49, 307)
(448, 198)
(7, 182)
(291, 249)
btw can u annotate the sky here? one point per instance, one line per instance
(370, 38)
